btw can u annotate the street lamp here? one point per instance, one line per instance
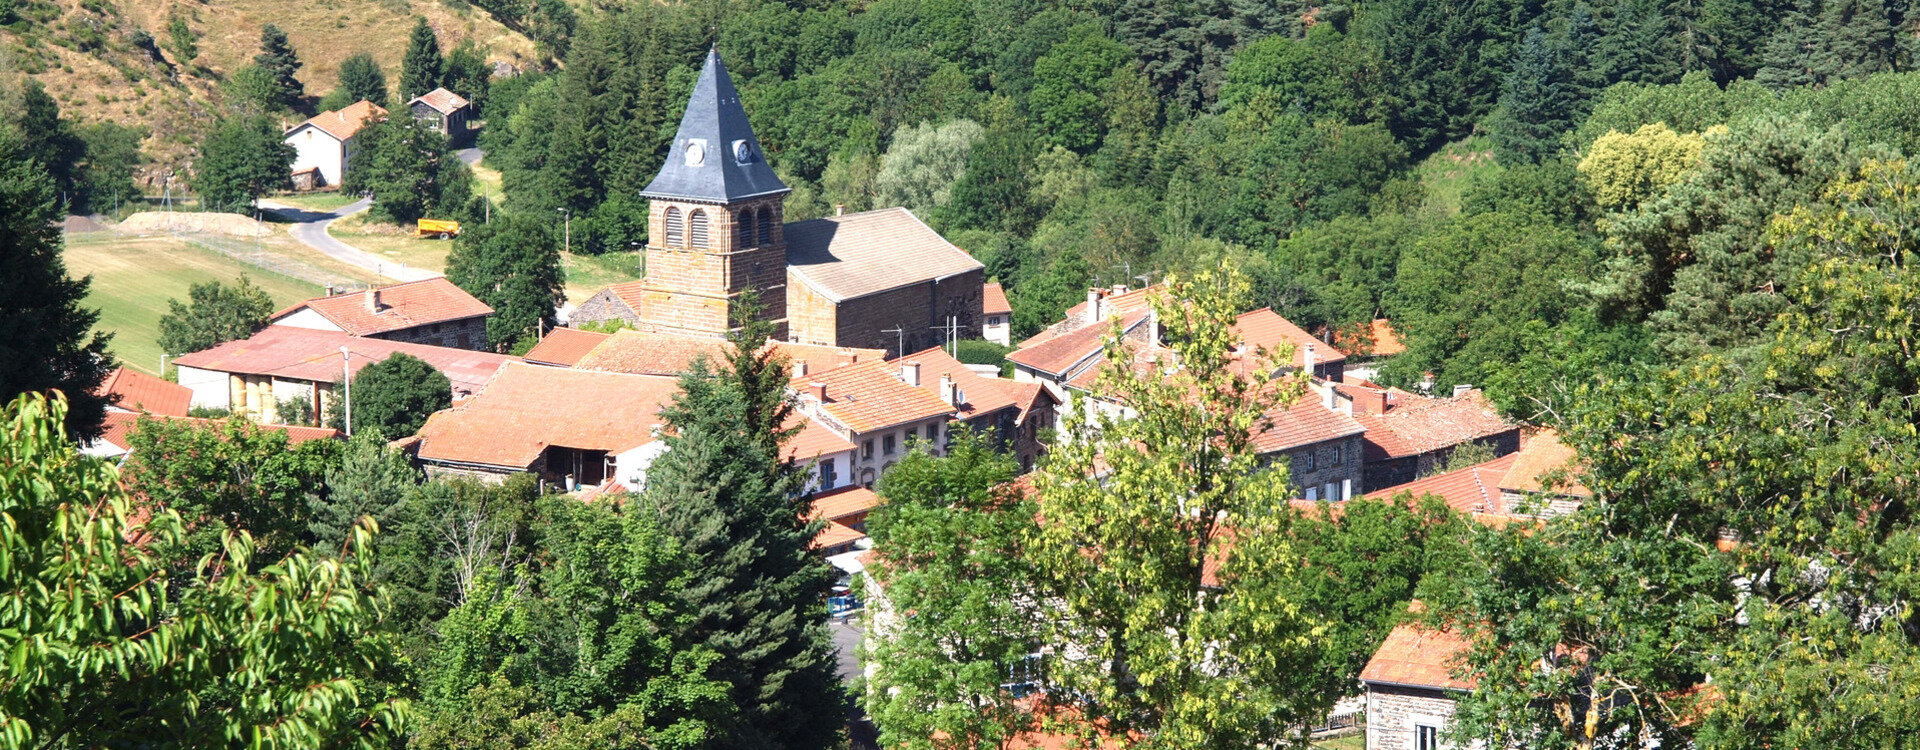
(346, 380)
(568, 223)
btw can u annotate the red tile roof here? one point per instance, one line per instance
(346, 121)
(138, 391)
(977, 394)
(869, 396)
(652, 353)
(629, 294)
(834, 534)
(120, 424)
(564, 346)
(813, 441)
(306, 354)
(1386, 342)
(1059, 354)
(821, 358)
(1121, 303)
(441, 100)
(842, 503)
(1264, 328)
(1544, 454)
(851, 256)
(527, 408)
(1418, 656)
(1475, 489)
(1415, 424)
(401, 306)
(1304, 422)
(993, 298)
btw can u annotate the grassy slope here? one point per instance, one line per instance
(134, 277)
(1448, 173)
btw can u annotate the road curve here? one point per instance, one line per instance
(310, 228)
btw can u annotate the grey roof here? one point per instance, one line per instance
(727, 164)
(844, 257)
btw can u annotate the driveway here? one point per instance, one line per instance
(846, 640)
(310, 228)
(471, 156)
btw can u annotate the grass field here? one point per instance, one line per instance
(1349, 742)
(392, 241)
(587, 274)
(134, 277)
(1449, 173)
(320, 201)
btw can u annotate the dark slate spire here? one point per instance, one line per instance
(715, 156)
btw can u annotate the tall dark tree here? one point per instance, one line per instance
(36, 131)
(214, 314)
(725, 495)
(1536, 102)
(394, 396)
(113, 155)
(280, 62)
(46, 338)
(361, 79)
(467, 73)
(422, 68)
(241, 160)
(513, 265)
(410, 169)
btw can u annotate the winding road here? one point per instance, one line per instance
(310, 228)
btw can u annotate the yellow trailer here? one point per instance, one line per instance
(436, 228)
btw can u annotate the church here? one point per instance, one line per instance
(878, 279)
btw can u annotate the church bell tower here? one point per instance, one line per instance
(714, 223)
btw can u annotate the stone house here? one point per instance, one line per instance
(430, 311)
(1320, 442)
(1412, 690)
(875, 406)
(998, 313)
(443, 111)
(326, 142)
(1410, 435)
(1010, 414)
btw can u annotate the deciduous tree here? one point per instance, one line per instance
(394, 396)
(241, 160)
(513, 265)
(214, 314)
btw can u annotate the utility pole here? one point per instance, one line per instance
(346, 383)
(900, 333)
(568, 227)
(952, 331)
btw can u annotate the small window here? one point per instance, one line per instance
(1307, 461)
(676, 227)
(1426, 737)
(697, 228)
(828, 477)
(886, 445)
(1313, 493)
(1333, 495)
(766, 220)
(866, 448)
(743, 227)
(1339, 455)
(933, 432)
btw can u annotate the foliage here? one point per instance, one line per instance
(33, 129)
(421, 69)
(46, 337)
(182, 40)
(980, 352)
(215, 313)
(241, 160)
(468, 74)
(278, 60)
(1625, 170)
(513, 265)
(227, 476)
(109, 644)
(394, 397)
(1183, 660)
(731, 506)
(410, 170)
(920, 168)
(952, 536)
(112, 159)
(362, 80)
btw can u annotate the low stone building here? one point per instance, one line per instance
(1412, 690)
(1320, 442)
(430, 311)
(1410, 435)
(443, 111)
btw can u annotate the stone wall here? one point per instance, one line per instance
(466, 333)
(921, 309)
(1395, 715)
(1335, 462)
(694, 290)
(603, 306)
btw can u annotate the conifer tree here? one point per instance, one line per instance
(361, 79)
(1536, 104)
(422, 68)
(46, 337)
(724, 494)
(280, 62)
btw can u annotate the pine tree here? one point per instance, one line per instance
(241, 160)
(361, 79)
(1536, 105)
(422, 68)
(513, 265)
(1788, 58)
(280, 62)
(725, 495)
(1857, 39)
(46, 337)
(371, 480)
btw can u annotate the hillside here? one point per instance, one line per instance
(90, 54)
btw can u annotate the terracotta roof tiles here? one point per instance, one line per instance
(343, 123)
(869, 396)
(564, 346)
(1544, 454)
(1264, 328)
(977, 394)
(1304, 422)
(1060, 354)
(1419, 656)
(1474, 489)
(993, 299)
(527, 408)
(851, 501)
(441, 100)
(400, 306)
(138, 391)
(307, 354)
(120, 424)
(1415, 424)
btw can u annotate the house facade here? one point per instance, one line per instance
(874, 406)
(443, 111)
(432, 311)
(997, 313)
(1412, 688)
(1410, 435)
(326, 143)
(1011, 415)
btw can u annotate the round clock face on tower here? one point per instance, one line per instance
(742, 151)
(696, 153)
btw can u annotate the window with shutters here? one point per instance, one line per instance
(676, 227)
(697, 228)
(743, 225)
(766, 222)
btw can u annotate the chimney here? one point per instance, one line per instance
(1426, 383)
(910, 374)
(329, 291)
(1119, 289)
(1327, 396)
(1371, 400)
(1153, 327)
(1461, 389)
(1094, 315)
(948, 393)
(373, 300)
(818, 390)
(799, 368)
(1309, 357)
(839, 209)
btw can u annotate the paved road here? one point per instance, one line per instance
(471, 156)
(310, 228)
(846, 640)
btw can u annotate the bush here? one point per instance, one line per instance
(980, 352)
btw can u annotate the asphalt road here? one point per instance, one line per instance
(471, 156)
(310, 228)
(846, 640)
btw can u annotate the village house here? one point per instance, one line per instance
(324, 145)
(115, 443)
(251, 377)
(562, 347)
(877, 406)
(998, 313)
(877, 279)
(129, 390)
(1410, 435)
(443, 111)
(430, 311)
(1008, 413)
(1411, 689)
(1320, 442)
(844, 513)
(1369, 347)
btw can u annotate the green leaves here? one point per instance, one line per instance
(214, 314)
(241, 160)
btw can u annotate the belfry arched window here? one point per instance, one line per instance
(676, 227)
(743, 227)
(767, 219)
(697, 228)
